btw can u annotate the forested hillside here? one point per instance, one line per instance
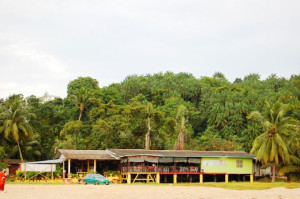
(206, 113)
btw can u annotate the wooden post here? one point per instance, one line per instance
(128, 165)
(81, 166)
(201, 178)
(226, 177)
(88, 166)
(175, 178)
(69, 168)
(251, 178)
(166, 178)
(25, 172)
(174, 168)
(128, 178)
(148, 178)
(157, 178)
(52, 172)
(64, 171)
(94, 166)
(215, 178)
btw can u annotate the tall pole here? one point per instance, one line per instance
(64, 171)
(69, 168)
(25, 172)
(52, 172)
(88, 166)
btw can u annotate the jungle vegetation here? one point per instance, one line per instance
(160, 111)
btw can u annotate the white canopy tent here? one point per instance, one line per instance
(41, 166)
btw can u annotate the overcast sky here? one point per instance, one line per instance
(44, 44)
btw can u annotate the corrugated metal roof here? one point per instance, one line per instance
(85, 154)
(12, 161)
(179, 153)
(55, 161)
(115, 154)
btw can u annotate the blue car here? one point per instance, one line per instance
(95, 179)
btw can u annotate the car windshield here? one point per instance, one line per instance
(99, 176)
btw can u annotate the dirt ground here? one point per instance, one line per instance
(18, 191)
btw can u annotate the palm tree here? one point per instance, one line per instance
(271, 146)
(147, 136)
(15, 123)
(180, 117)
(293, 167)
(81, 100)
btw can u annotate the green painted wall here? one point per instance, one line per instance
(229, 165)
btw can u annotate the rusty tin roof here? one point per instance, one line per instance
(179, 153)
(85, 154)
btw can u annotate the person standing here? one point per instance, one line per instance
(2, 180)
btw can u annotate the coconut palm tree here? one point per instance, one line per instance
(271, 146)
(15, 123)
(81, 100)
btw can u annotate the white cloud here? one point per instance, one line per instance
(50, 43)
(29, 70)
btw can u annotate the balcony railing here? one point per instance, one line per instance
(162, 169)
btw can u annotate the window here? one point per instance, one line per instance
(239, 163)
(214, 163)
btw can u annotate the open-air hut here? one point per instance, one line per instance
(161, 165)
(83, 161)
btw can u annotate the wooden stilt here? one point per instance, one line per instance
(128, 178)
(64, 170)
(25, 172)
(157, 178)
(226, 178)
(251, 178)
(52, 172)
(148, 178)
(175, 178)
(201, 178)
(69, 168)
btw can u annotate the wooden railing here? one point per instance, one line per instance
(162, 169)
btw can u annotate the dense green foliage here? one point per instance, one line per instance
(215, 117)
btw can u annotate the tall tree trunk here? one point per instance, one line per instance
(80, 114)
(147, 147)
(147, 137)
(273, 175)
(180, 140)
(76, 135)
(20, 151)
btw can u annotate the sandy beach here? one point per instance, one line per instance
(17, 191)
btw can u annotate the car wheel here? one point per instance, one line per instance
(96, 183)
(107, 183)
(84, 182)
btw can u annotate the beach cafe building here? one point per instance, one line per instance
(160, 166)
